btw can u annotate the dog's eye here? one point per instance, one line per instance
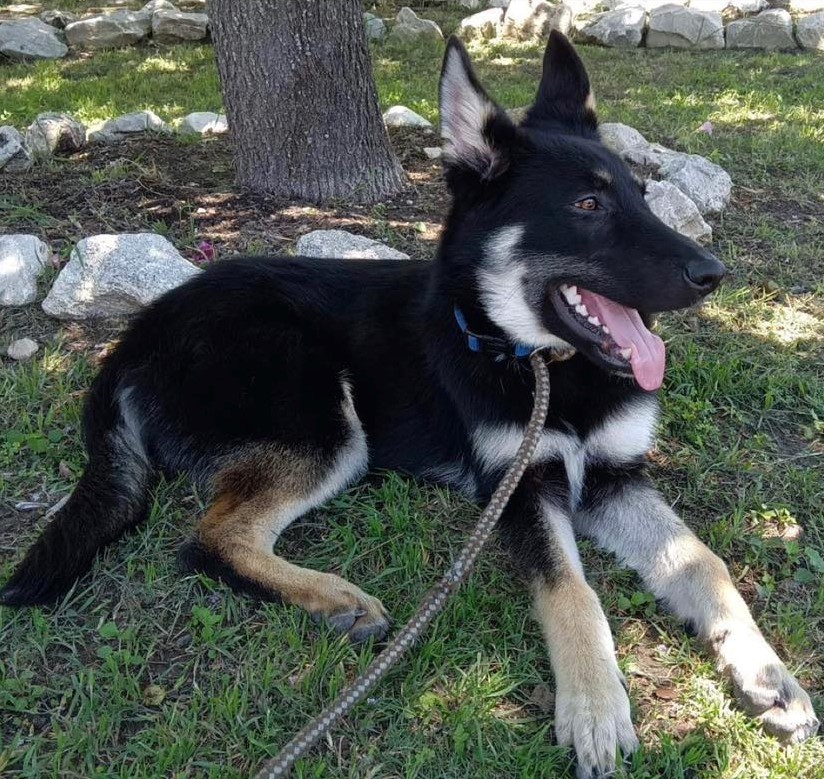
(587, 204)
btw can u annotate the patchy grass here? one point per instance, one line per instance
(740, 455)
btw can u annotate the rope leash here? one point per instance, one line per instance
(432, 604)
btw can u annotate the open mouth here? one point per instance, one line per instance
(611, 333)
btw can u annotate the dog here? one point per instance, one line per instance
(278, 382)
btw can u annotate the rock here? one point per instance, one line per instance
(204, 123)
(483, 25)
(174, 26)
(15, 156)
(810, 32)
(677, 211)
(22, 349)
(771, 29)
(339, 243)
(682, 28)
(806, 6)
(401, 116)
(153, 6)
(408, 27)
(58, 19)
(23, 259)
(109, 31)
(533, 20)
(472, 5)
(115, 275)
(741, 6)
(52, 133)
(498, 4)
(629, 144)
(375, 27)
(30, 39)
(647, 5)
(708, 185)
(433, 152)
(128, 125)
(623, 27)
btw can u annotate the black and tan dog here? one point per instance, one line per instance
(279, 382)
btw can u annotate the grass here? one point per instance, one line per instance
(141, 674)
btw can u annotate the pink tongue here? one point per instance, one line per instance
(627, 330)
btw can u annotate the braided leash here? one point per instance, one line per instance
(279, 765)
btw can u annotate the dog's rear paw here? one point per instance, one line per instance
(593, 716)
(773, 695)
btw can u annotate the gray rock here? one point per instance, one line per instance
(30, 39)
(22, 349)
(433, 152)
(483, 25)
(742, 6)
(174, 26)
(204, 123)
(158, 5)
(533, 20)
(472, 5)
(806, 6)
(408, 27)
(128, 125)
(58, 19)
(52, 133)
(109, 31)
(648, 5)
(683, 28)
(629, 144)
(810, 32)
(115, 275)
(339, 243)
(708, 185)
(375, 27)
(401, 116)
(623, 27)
(771, 29)
(23, 259)
(677, 211)
(15, 156)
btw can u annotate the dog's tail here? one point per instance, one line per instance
(112, 496)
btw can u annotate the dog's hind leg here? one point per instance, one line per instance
(592, 711)
(257, 495)
(627, 516)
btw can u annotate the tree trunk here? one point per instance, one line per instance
(301, 100)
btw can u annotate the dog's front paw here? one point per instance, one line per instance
(773, 695)
(593, 716)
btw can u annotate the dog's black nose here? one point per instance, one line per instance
(705, 274)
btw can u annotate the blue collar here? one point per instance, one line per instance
(499, 348)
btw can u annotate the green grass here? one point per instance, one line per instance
(740, 456)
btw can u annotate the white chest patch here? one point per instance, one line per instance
(623, 437)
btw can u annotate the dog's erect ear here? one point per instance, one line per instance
(476, 132)
(564, 96)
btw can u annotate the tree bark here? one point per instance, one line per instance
(301, 101)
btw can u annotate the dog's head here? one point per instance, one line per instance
(549, 233)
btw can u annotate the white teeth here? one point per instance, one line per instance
(626, 353)
(593, 320)
(605, 329)
(571, 294)
(581, 309)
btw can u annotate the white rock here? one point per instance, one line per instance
(409, 27)
(533, 20)
(771, 29)
(15, 156)
(52, 133)
(629, 144)
(708, 185)
(158, 5)
(22, 349)
(401, 116)
(109, 31)
(623, 27)
(58, 19)
(30, 39)
(433, 152)
(483, 25)
(170, 26)
(23, 259)
(806, 6)
(339, 243)
(375, 27)
(742, 6)
(677, 211)
(810, 32)
(204, 123)
(683, 28)
(128, 125)
(115, 275)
